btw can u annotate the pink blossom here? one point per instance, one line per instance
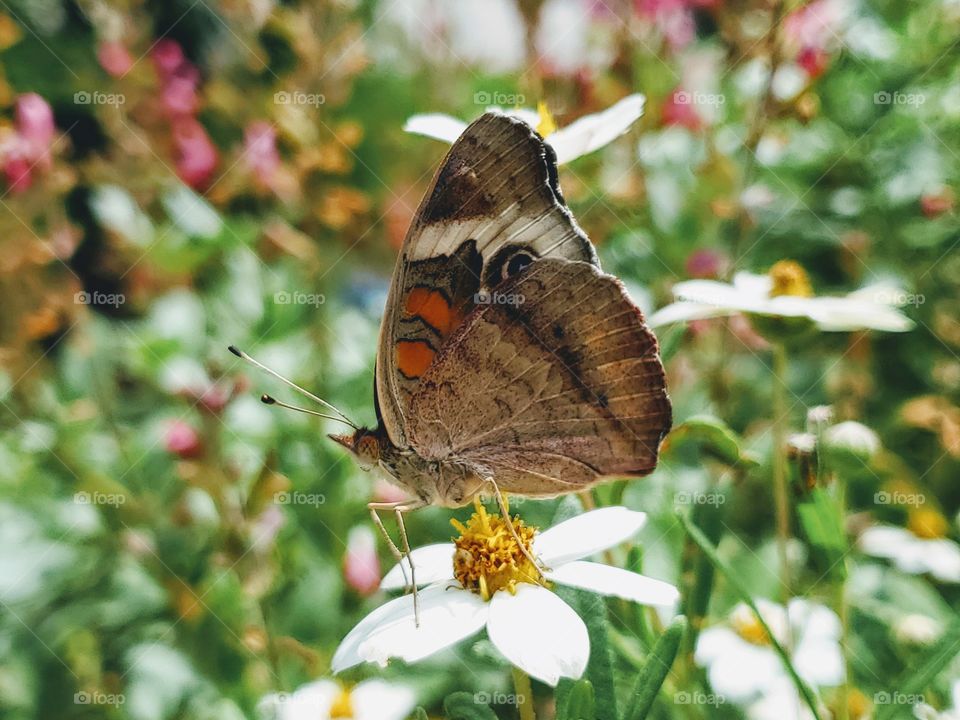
(814, 61)
(35, 127)
(182, 440)
(179, 92)
(260, 150)
(16, 172)
(167, 57)
(196, 155)
(114, 58)
(705, 264)
(672, 18)
(361, 565)
(678, 110)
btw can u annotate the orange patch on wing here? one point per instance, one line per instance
(431, 307)
(413, 357)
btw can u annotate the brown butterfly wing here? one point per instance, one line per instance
(549, 394)
(494, 199)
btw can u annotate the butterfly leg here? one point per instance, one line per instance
(505, 513)
(399, 508)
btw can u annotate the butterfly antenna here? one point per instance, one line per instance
(270, 400)
(243, 356)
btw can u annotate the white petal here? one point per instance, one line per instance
(942, 559)
(813, 620)
(780, 701)
(592, 132)
(840, 314)
(539, 633)
(587, 534)
(447, 615)
(743, 671)
(684, 311)
(379, 700)
(713, 643)
(309, 701)
(436, 125)
(433, 563)
(530, 117)
(885, 541)
(819, 661)
(617, 582)
(722, 296)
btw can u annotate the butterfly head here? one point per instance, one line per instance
(364, 444)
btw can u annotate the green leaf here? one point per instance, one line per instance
(931, 664)
(655, 671)
(577, 702)
(708, 516)
(822, 521)
(670, 340)
(711, 552)
(716, 437)
(465, 706)
(420, 714)
(593, 609)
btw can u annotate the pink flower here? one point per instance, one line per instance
(814, 61)
(16, 172)
(34, 122)
(260, 150)
(672, 18)
(167, 57)
(678, 110)
(705, 264)
(114, 58)
(813, 31)
(196, 155)
(179, 93)
(361, 565)
(182, 440)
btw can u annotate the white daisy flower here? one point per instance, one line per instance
(484, 579)
(327, 699)
(785, 292)
(743, 667)
(583, 136)
(919, 549)
(922, 711)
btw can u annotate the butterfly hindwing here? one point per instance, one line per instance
(551, 390)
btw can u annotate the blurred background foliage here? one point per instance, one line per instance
(182, 175)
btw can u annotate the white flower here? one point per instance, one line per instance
(853, 436)
(925, 712)
(910, 553)
(583, 136)
(327, 699)
(743, 667)
(530, 625)
(785, 292)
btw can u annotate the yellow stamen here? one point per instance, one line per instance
(342, 706)
(487, 558)
(789, 278)
(547, 125)
(927, 523)
(746, 625)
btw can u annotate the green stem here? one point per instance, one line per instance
(524, 693)
(843, 610)
(733, 579)
(781, 494)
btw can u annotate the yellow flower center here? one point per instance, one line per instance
(789, 278)
(927, 523)
(488, 558)
(547, 125)
(342, 706)
(749, 628)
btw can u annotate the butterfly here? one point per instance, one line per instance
(508, 361)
